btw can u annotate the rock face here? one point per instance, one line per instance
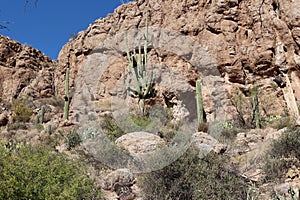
(140, 142)
(235, 46)
(24, 71)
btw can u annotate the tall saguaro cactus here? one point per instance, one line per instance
(199, 103)
(67, 96)
(144, 82)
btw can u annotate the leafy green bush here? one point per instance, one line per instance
(21, 113)
(284, 153)
(193, 178)
(37, 173)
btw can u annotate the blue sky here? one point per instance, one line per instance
(50, 24)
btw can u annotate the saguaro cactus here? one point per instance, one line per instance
(67, 96)
(256, 110)
(144, 82)
(199, 103)
(49, 129)
(43, 114)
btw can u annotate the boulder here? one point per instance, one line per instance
(117, 177)
(140, 142)
(205, 143)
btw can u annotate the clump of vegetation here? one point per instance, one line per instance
(284, 154)
(229, 131)
(292, 195)
(37, 173)
(185, 180)
(111, 128)
(149, 122)
(72, 139)
(21, 113)
(16, 126)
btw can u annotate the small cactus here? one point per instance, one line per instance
(199, 104)
(49, 129)
(43, 114)
(37, 119)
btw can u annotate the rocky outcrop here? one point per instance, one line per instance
(233, 46)
(140, 142)
(205, 143)
(24, 71)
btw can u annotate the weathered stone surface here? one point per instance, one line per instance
(233, 45)
(24, 71)
(140, 142)
(205, 143)
(118, 176)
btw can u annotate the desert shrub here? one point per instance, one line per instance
(291, 195)
(276, 121)
(225, 131)
(52, 140)
(193, 178)
(72, 139)
(111, 128)
(284, 153)
(115, 128)
(37, 173)
(21, 113)
(16, 126)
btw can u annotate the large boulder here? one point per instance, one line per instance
(140, 142)
(205, 143)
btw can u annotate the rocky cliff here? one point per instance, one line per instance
(244, 45)
(24, 71)
(239, 49)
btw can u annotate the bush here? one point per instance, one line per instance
(21, 113)
(193, 178)
(111, 128)
(72, 139)
(284, 153)
(37, 173)
(16, 126)
(292, 194)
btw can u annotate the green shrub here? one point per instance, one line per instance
(21, 113)
(284, 153)
(37, 173)
(72, 139)
(111, 128)
(193, 178)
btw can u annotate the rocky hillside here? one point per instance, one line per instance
(244, 45)
(246, 54)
